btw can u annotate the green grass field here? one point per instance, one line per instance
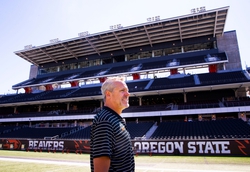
(13, 161)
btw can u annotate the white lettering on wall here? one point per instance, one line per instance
(193, 147)
(35, 144)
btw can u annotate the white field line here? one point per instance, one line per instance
(44, 161)
(138, 167)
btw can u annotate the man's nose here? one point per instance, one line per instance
(127, 93)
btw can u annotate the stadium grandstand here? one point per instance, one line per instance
(189, 92)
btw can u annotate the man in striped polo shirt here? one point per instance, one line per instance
(110, 145)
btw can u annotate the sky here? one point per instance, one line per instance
(36, 22)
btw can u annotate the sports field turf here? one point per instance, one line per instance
(12, 161)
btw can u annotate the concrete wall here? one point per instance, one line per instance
(33, 71)
(228, 43)
(204, 147)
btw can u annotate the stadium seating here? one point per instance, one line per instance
(199, 105)
(83, 133)
(215, 129)
(30, 132)
(167, 83)
(134, 86)
(222, 78)
(224, 128)
(138, 129)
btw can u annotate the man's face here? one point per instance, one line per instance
(120, 95)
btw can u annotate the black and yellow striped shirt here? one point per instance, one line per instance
(109, 137)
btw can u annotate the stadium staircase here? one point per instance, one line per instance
(151, 131)
(149, 84)
(246, 74)
(197, 80)
(138, 130)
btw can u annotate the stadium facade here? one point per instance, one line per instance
(189, 93)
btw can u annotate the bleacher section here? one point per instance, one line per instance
(38, 133)
(83, 133)
(172, 82)
(146, 108)
(143, 108)
(167, 83)
(222, 78)
(224, 128)
(137, 85)
(138, 129)
(4, 129)
(135, 130)
(233, 103)
(217, 129)
(199, 105)
(89, 91)
(55, 94)
(126, 66)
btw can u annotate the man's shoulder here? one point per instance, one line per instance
(104, 115)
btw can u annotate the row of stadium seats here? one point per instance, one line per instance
(121, 67)
(134, 86)
(224, 128)
(198, 105)
(222, 78)
(38, 133)
(143, 108)
(83, 133)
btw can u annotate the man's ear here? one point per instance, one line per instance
(108, 93)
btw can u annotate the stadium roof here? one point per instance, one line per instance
(203, 23)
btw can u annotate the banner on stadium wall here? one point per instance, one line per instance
(78, 146)
(163, 147)
(194, 147)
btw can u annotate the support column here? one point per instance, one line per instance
(15, 110)
(235, 92)
(173, 71)
(224, 66)
(185, 97)
(101, 104)
(74, 83)
(49, 87)
(126, 57)
(39, 108)
(184, 71)
(212, 68)
(140, 101)
(27, 90)
(126, 78)
(136, 76)
(103, 79)
(68, 104)
(182, 49)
